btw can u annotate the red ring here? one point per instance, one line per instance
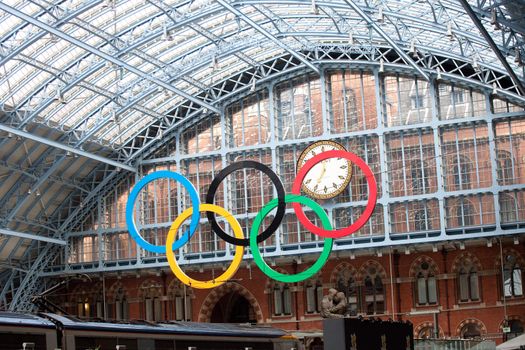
(372, 196)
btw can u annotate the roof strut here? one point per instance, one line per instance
(269, 35)
(493, 46)
(385, 36)
(105, 56)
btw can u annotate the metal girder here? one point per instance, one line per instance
(385, 36)
(104, 55)
(8, 232)
(66, 148)
(268, 35)
(493, 46)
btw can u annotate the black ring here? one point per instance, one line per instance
(281, 206)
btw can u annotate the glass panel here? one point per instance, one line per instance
(310, 299)
(474, 288)
(421, 290)
(277, 302)
(287, 302)
(517, 284)
(432, 290)
(463, 286)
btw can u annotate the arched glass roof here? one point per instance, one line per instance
(89, 86)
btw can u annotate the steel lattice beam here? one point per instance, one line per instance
(493, 46)
(104, 55)
(7, 232)
(268, 35)
(66, 148)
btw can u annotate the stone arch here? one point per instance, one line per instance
(471, 321)
(364, 270)
(511, 251)
(150, 288)
(113, 290)
(217, 293)
(467, 258)
(340, 268)
(414, 267)
(427, 324)
(511, 318)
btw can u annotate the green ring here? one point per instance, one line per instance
(312, 270)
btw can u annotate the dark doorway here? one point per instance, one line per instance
(233, 308)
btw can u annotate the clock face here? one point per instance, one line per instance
(328, 178)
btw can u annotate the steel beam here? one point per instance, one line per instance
(66, 148)
(268, 35)
(493, 46)
(7, 232)
(104, 55)
(385, 36)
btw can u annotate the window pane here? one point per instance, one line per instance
(474, 290)
(432, 292)
(287, 301)
(516, 277)
(310, 299)
(507, 290)
(463, 286)
(149, 309)
(277, 302)
(179, 308)
(421, 291)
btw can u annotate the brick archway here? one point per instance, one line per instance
(475, 321)
(217, 293)
(424, 325)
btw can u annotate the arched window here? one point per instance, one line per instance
(374, 293)
(512, 277)
(121, 305)
(426, 285)
(420, 220)
(151, 309)
(426, 332)
(180, 303)
(282, 300)
(418, 176)
(347, 284)
(505, 168)
(314, 295)
(516, 329)
(470, 331)
(465, 212)
(507, 207)
(462, 172)
(468, 283)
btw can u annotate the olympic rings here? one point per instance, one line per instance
(281, 207)
(372, 196)
(130, 220)
(253, 238)
(312, 270)
(237, 258)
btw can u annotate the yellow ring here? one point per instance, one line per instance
(237, 258)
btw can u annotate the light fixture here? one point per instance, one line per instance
(352, 256)
(449, 31)
(109, 3)
(379, 253)
(214, 61)
(413, 50)
(381, 66)
(351, 38)
(516, 241)
(252, 88)
(489, 243)
(475, 63)
(434, 248)
(380, 15)
(37, 193)
(315, 9)
(517, 58)
(59, 97)
(166, 35)
(438, 76)
(10, 135)
(462, 245)
(494, 19)
(407, 250)
(29, 191)
(494, 89)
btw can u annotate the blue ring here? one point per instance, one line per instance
(130, 220)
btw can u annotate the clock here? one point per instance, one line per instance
(328, 178)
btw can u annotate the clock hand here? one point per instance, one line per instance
(322, 172)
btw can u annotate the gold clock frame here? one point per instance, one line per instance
(349, 171)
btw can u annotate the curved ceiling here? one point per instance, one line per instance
(88, 86)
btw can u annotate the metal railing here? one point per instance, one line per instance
(453, 344)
